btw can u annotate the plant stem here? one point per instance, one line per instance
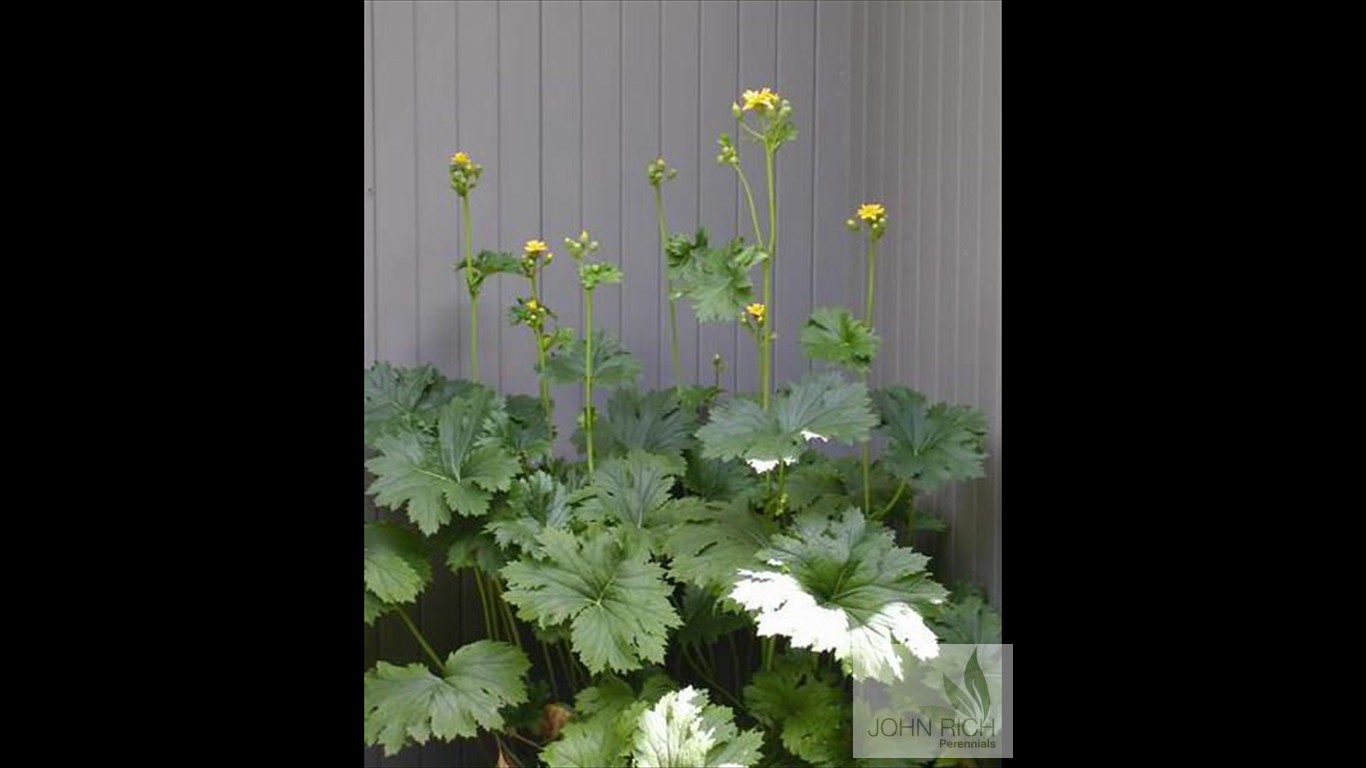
(769, 299)
(549, 669)
(474, 293)
(588, 375)
(734, 658)
(422, 641)
(540, 351)
(895, 497)
(523, 739)
(490, 629)
(768, 653)
(709, 680)
(668, 287)
(753, 212)
(508, 620)
(868, 321)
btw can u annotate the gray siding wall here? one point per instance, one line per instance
(565, 103)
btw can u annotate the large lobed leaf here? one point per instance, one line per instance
(805, 706)
(396, 569)
(930, 445)
(708, 544)
(819, 407)
(834, 335)
(616, 599)
(844, 586)
(399, 398)
(410, 702)
(684, 730)
(613, 366)
(533, 504)
(656, 422)
(716, 280)
(601, 732)
(432, 478)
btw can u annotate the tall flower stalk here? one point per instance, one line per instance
(872, 220)
(591, 274)
(533, 312)
(658, 172)
(465, 177)
(772, 129)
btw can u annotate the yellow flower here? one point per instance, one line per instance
(763, 98)
(871, 211)
(460, 158)
(534, 247)
(532, 305)
(757, 310)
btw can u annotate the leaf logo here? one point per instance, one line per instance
(972, 700)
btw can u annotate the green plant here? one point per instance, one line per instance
(695, 580)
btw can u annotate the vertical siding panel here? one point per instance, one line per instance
(967, 385)
(437, 246)
(562, 165)
(991, 271)
(835, 247)
(369, 184)
(602, 170)
(641, 291)
(858, 39)
(758, 68)
(910, 160)
(889, 251)
(519, 175)
(720, 76)
(875, 182)
(477, 121)
(682, 150)
(396, 246)
(796, 234)
(440, 323)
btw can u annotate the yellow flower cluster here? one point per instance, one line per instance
(757, 311)
(763, 100)
(536, 247)
(461, 159)
(871, 212)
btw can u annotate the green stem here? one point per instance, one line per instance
(422, 641)
(536, 333)
(895, 498)
(490, 629)
(782, 486)
(753, 212)
(668, 287)
(523, 739)
(734, 658)
(868, 321)
(770, 311)
(768, 652)
(508, 620)
(588, 375)
(549, 669)
(710, 681)
(474, 294)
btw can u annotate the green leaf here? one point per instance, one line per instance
(930, 445)
(806, 707)
(844, 586)
(396, 569)
(616, 599)
(704, 620)
(410, 702)
(834, 335)
(655, 422)
(819, 407)
(715, 479)
(535, 503)
(374, 607)
(707, 546)
(522, 429)
(469, 545)
(966, 618)
(717, 280)
(632, 490)
(485, 265)
(684, 730)
(613, 366)
(680, 249)
(433, 478)
(603, 743)
(410, 398)
(593, 274)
